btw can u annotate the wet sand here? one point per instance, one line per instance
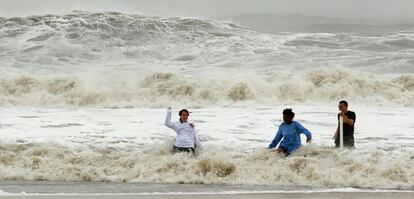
(340, 195)
(110, 190)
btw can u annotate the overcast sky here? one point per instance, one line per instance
(371, 9)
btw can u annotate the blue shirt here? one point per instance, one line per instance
(291, 136)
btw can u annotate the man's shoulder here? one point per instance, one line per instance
(297, 123)
(351, 115)
(351, 112)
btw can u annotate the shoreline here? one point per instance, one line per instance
(72, 189)
(315, 195)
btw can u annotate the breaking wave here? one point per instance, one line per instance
(79, 40)
(112, 59)
(164, 89)
(309, 166)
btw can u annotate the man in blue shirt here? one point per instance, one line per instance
(290, 132)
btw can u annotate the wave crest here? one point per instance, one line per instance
(164, 89)
(309, 166)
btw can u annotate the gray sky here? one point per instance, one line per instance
(371, 9)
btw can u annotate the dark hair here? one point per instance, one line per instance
(183, 110)
(343, 102)
(289, 113)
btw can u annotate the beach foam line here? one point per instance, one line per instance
(311, 165)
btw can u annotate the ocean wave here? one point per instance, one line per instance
(79, 37)
(163, 89)
(309, 166)
(61, 43)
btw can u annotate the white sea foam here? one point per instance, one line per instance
(310, 166)
(132, 145)
(118, 60)
(72, 63)
(162, 89)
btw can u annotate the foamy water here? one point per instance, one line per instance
(323, 86)
(132, 145)
(81, 93)
(119, 60)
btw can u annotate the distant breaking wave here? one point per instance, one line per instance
(164, 89)
(120, 60)
(61, 42)
(78, 38)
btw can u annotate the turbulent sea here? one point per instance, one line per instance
(83, 98)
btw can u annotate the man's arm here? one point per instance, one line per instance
(196, 140)
(304, 131)
(168, 122)
(346, 119)
(336, 133)
(277, 139)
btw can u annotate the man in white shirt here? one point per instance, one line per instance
(186, 140)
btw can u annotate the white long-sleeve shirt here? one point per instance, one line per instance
(186, 134)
